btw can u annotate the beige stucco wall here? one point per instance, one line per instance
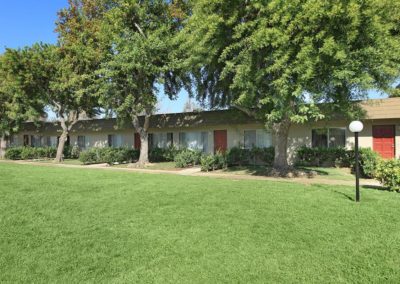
(298, 135)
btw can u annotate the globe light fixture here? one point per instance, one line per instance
(356, 127)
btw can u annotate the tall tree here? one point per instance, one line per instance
(20, 98)
(142, 57)
(278, 60)
(71, 92)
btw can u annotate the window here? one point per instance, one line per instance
(26, 140)
(250, 139)
(81, 142)
(328, 137)
(51, 141)
(160, 140)
(14, 141)
(36, 141)
(114, 141)
(257, 138)
(194, 140)
(170, 139)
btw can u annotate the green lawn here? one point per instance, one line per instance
(87, 225)
(322, 173)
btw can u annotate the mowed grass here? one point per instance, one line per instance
(87, 225)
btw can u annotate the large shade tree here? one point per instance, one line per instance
(142, 59)
(20, 98)
(279, 60)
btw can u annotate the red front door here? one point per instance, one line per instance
(220, 140)
(384, 140)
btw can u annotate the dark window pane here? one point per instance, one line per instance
(320, 138)
(337, 137)
(170, 139)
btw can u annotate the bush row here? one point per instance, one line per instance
(108, 155)
(186, 158)
(30, 153)
(238, 157)
(338, 157)
(323, 157)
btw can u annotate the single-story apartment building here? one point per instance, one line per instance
(209, 131)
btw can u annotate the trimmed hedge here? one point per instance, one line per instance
(339, 157)
(388, 173)
(30, 153)
(163, 155)
(108, 155)
(256, 156)
(324, 157)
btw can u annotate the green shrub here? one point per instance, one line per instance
(29, 153)
(108, 155)
(187, 158)
(388, 173)
(88, 157)
(13, 153)
(323, 157)
(256, 156)
(368, 162)
(213, 162)
(163, 154)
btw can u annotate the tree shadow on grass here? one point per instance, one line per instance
(349, 197)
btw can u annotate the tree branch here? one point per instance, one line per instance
(247, 111)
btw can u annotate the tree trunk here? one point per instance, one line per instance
(60, 148)
(144, 140)
(3, 146)
(281, 133)
(144, 149)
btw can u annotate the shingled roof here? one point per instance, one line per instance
(375, 109)
(172, 120)
(382, 108)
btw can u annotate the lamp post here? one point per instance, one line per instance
(356, 127)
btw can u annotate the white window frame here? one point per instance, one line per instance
(329, 135)
(268, 143)
(203, 143)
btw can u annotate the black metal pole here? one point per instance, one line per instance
(357, 169)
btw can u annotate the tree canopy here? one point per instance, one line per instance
(142, 58)
(280, 60)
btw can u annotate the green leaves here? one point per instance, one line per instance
(277, 56)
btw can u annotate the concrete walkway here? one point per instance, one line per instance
(197, 172)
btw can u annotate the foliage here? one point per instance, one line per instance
(279, 60)
(75, 152)
(108, 155)
(237, 156)
(388, 173)
(142, 58)
(29, 153)
(20, 96)
(187, 158)
(163, 154)
(368, 161)
(323, 157)
(213, 162)
(338, 157)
